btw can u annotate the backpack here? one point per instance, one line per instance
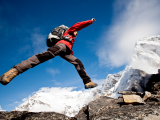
(56, 35)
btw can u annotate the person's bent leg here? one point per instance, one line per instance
(80, 69)
(30, 63)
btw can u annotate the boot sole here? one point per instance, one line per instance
(90, 86)
(2, 81)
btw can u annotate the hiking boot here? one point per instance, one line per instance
(90, 85)
(8, 76)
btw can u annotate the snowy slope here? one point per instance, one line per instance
(110, 81)
(145, 59)
(131, 80)
(60, 100)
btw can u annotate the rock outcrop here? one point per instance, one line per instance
(131, 105)
(114, 110)
(110, 81)
(103, 108)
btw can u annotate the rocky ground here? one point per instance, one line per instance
(103, 108)
(132, 105)
(106, 108)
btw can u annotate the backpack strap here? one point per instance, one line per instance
(67, 38)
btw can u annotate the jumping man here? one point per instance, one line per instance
(63, 48)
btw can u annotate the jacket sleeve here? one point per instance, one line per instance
(78, 26)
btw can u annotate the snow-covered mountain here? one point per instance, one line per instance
(111, 80)
(146, 54)
(146, 59)
(60, 100)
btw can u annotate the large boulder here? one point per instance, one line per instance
(101, 104)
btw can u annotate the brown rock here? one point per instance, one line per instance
(133, 99)
(146, 96)
(83, 114)
(24, 115)
(103, 103)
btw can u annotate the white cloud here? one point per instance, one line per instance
(94, 76)
(39, 42)
(57, 83)
(133, 19)
(1, 108)
(52, 71)
(99, 82)
(15, 103)
(23, 49)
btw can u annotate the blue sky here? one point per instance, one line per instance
(105, 47)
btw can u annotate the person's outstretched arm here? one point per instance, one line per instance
(78, 26)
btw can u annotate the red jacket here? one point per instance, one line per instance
(76, 27)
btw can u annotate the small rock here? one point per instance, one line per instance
(146, 96)
(140, 117)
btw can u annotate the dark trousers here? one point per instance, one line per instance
(60, 49)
